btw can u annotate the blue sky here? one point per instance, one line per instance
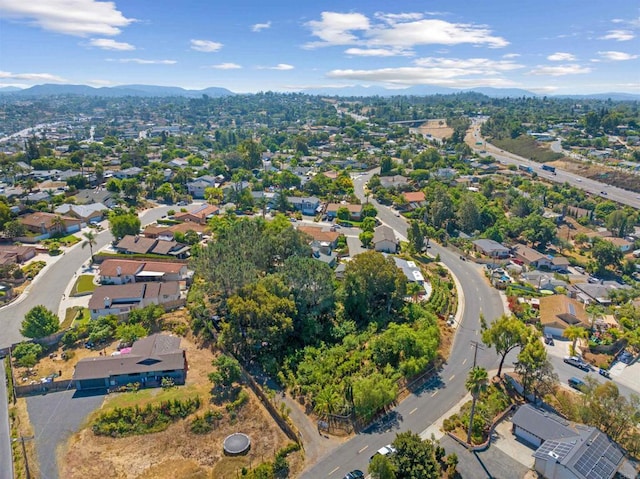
(552, 47)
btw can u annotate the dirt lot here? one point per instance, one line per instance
(601, 173)
(436, 128)
(176, 452)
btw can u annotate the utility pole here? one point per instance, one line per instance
(24, 453)
(476, 345)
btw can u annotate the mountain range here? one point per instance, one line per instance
(350, 91)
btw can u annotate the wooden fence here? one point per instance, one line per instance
(43, 388)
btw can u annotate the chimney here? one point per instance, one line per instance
(119, 271)
(107, 302)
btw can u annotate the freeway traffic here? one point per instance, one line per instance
(420, 409)
(624, 197)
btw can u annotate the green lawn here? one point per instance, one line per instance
(84, 284)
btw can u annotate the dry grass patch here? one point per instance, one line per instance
(436, 128)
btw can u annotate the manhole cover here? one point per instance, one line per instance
(236, 443)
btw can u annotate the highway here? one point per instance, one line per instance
(597, 188)
(48, 287)
(420, 409)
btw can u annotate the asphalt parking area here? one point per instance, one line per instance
(54, 418)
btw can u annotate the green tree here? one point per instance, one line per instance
(343, 213)
(606, 254)
(573, 333)
(228, 372)
(26, 354)
(504, 334)
(386, 165)
(381, 467)
(365, 238)
(368, 225)
(39, 322)
(416, 235)
(131, 188)
(369, 211)
(415, 458)
(531, 363)
(90, 241)
(128, 333)
(327, 401)
(124, 224)
(166, 192)
(14, 229)
(373, 287)
(476, 384)
(618, 223)
(468, 214)
(214, 195)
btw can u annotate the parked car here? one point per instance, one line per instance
(355, 474)
(577, 362)
(384, 451)
(605, 373)
(626, 357)
(548, 339)
(576, 383)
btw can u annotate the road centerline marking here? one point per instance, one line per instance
(464, 362)
(361, 450)
(436, 392)
(412, 411)
(333, 471)
(451, 378)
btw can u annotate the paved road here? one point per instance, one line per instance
(48, 286)
(620, 195)
(425, 406)
(6, 459)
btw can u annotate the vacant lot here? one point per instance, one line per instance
(436, 128)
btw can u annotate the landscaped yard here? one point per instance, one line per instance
(84, 284)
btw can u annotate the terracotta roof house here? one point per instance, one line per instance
(123, 298)
(623, 244)
(150, 360)
(46, 223)
(491, 248)
(558, 312)
(200, 215)
(530, 256)
(91, 213)
(355, 211)
(415, 199)
(168, 232)
(321, 236)
(384, 239)
(569, 450)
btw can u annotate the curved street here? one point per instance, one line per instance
(420, 409)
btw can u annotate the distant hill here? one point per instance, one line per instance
(8, 89)
(616, 96)
(419, 90)
(117, 91)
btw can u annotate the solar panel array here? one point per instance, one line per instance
(559, 449)
(590, 465)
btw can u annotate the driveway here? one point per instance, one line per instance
(55, 417)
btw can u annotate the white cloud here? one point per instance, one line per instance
(561, 57)
(619, 35)
(142, 61)
(376, 52)
(206, 46)
(511, 55)
(110, 44)
(559, 70)
(279, 66)
(99, 83)
(258, 27)
(420, 76)
(226, 66)
(33, 77)
(398, 32)
(617, 56)
(71, 17)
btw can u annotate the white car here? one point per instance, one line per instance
(384, 451)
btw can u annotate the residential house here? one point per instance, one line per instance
(559, 263)
(589, 293)
(558, 312)
(93, 213)
(543, 281)
(122, 271)
(47, 224)
(570, 450)
(410, 270)
(15, 254)
(95, 195)
(121, 299)
(148, 361)
(414, 199)
(128, 173)
(393, 181)
(197, 187)
(531, 257)
(320, 236)
(491, 248)
(201, 215)
(131, 244)
(384, 240)
(307, 205)
(168, 233)
(355, 211)
(623, 245)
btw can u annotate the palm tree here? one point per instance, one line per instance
(573, 333)
(414, 289)
(90, 241)
(58, 223)
(476, 384)
(327, 402)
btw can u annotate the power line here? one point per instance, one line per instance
(476, 345)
